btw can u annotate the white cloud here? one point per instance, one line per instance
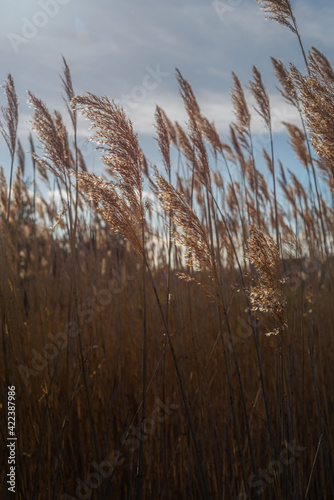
(217, 107)
(58, 197)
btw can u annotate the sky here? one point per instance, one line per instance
(128, 51)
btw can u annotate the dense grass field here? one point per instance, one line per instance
(169, 332)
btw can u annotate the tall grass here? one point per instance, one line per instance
(189, 357)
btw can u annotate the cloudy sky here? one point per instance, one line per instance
(128, 50)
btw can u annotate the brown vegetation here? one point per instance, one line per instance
(190, 358)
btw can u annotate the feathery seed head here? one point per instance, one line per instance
(266, 295)
(10, 114)
(280, 11)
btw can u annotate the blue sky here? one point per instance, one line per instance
(128, 50)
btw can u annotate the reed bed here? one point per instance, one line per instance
(178, 345)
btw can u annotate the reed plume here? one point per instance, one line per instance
(319, 59)
(199, 157)
(280, 11)
(20, 157)
(10, 114)
(189, 230)
(53, 134)
(8, 129)
(298, 144)
(240, 105)
(69, 91)
(266, 296)
(261, 96)
(209, 131)
(115, 137)
(288, 90)
(124, 218)
(164, 139)
(316, 95)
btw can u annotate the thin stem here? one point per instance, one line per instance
(144, 363)
(182, 389)
(10, 188)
